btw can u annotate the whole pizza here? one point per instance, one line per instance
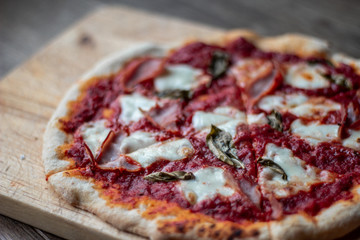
(237, 137)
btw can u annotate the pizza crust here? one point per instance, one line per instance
(333, 222)
(82, 193)
(340, 218)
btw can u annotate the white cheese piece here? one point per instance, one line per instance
(306, 77)
(353, 141)
(341, 58)
(315, 132)
(130, 105)
(203, 120)
(300, 176)
(309, 109)
(226, 118)
(299, 105)
(169, 150)
(208, 182)
(256, 119)
(94, 134)
(181, 77)
(281, 102)
(135, 141)
(123, 144)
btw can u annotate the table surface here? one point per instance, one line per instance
(26, 26)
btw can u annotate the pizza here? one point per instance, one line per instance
(234, 137)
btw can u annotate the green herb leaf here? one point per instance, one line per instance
(340, 80)
(220, 62)
(273, 166)
(275, 120)
(176, 94)
(319, 61)
(169, 176)
(220, 144)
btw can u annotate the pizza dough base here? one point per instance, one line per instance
(332, 222)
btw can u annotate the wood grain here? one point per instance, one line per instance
(29, 95)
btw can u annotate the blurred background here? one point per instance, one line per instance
(28, 25)
(25, 26)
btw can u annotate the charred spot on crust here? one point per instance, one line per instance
(235, 234)
(180, 227)
(255, 233)
(86, 40)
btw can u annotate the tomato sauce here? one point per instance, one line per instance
(250, 141)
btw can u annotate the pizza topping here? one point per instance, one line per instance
(94, 134)
(220, 62)
(131, 105)
(339, 79)
(208, 182)
(353, 141)
(169, 176)
(291, 173)
(275, 120)
(299, 105)
(256, 118)
(166, 116)
(176, 94)
(141, 70)
(306, 76)
(315, 132)
(220, 144)
(273, 166)
(263, 85)
(197, 55)
(226, 118)
(179, 77)
(171, 150)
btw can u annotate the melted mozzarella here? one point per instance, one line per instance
(181, 77)
(208, 182)
(353, 141)
(309, 109)
(256, 119)
(226, 118)
(123, 145)
(94, 134)
(299, 105)
(281, 102)
(341, 58)
(306, 77)
(300, 176)
(130, 105)
(169, 150)
(315, 132)
(135, 141)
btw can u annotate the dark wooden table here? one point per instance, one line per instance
(25, 26)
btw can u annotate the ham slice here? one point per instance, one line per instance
(265, 84)
(142, 69)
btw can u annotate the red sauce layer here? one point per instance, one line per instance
(250, 141)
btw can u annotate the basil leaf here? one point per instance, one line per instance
(220, 62)
(273, 166)
(319, 61)
(169, 176)
(275, 120)
(339, 79)
(176, 94)
(220, 144)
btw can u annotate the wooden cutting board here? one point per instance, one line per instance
(30, 94)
